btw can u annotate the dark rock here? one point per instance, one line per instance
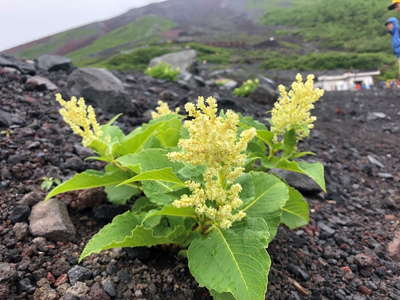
(97, 292)
(90, 198)
(5, 119)
(31, 198)
(54, 63)
(326, 230)
(108, 286)
(40, 83)
(51, 220)
(168, 95)
(364, 260)
(4, 291)
(26, 285)
(12, 62)
(100, 87)
(142, 253)
(79, 273)
(74, 163)
(299, 181)
(78, 291)
(21, 231)
(20, 213)
(107, 212)
(297, 271)
(8, 272)
(45, 293)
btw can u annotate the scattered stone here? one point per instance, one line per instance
(5, 119)
(79, 273)
(299, 181)
(297, 271)
(31, 198)
(97, 292)
(327, 231)
(40, 83)
(168, 95)
(182, 60)
(385, 175)
(372, 116)
(108, 286)
(40, 243)
(394, 247)
(79, 290)
(106, 212)
(90, 198)
(21, 231)
(364, 260)
(8, 272)
(12, 62)
(50, 219)
(20, 213)
(100, 87)
(54, 63)
(376, 162)
(45, 293)
(26, 285)
(4, 291)
(225, 83)
(364, 290)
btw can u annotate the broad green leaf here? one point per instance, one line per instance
(134, 141)
(127, 230)
(169, 133)
(120, 194)
(222, 296)
(289, 142)
(165, 174)
(315, 171)
(295, 212)
(232, 261)
(266, 136)
(173, 211)
(143, 204)
(264, 196)
(248, 122)
(159, 195)
(89, 179)
(149, 159)
(192, 172)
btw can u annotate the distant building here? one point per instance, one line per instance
(347, 81)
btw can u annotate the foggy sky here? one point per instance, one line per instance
(22, 21)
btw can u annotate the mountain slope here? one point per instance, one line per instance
(190, 19)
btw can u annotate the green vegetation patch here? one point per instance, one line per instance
(328, 61)
(57, 41)
(145, 29)
(356, 25)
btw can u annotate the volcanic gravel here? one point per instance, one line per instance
(341, 254)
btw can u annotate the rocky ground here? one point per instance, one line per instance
(350, 250)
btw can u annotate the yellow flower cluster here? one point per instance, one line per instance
(81, 118)
(163, 109)
(214, 143)
(292, 110)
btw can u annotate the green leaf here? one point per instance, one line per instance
(173, 211)
(264, 196)
(148, 159)
(248, 122)
(160, 195)
(89, 179)
(135, 141)
(315, 171)
(222, 296)
(143, 204)
(289, 142)
(165, 174)
(266, 136)
(120, 194)
(127, 230)
(232, 261)
(295, 212)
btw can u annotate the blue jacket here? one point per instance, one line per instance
(395, 35)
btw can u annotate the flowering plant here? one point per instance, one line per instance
(163, 71)
(202, 184)
(248, 87)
